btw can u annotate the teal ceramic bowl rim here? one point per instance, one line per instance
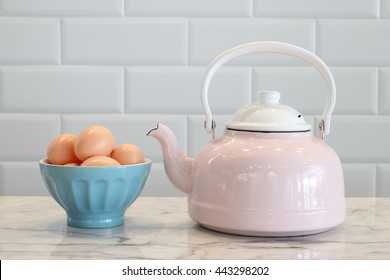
(45, 161)
(95, 196)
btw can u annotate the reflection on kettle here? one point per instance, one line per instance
(267, 175)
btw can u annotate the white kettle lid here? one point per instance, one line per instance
(268, 115)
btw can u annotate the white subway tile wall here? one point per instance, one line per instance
(129, 64)
(318, 8)
(29, 40)
(210, 36)
(354, 42)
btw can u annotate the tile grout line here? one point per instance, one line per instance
(124, 90)
(188, 42)
(378, 91)
(60, 41)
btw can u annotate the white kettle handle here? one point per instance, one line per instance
(271, 47)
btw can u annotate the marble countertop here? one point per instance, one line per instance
(159, 228)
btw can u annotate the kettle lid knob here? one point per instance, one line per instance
(268, 96)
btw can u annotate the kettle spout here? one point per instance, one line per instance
(177, 166)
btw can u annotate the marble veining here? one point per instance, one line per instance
(159, 228)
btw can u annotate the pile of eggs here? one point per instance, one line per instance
(94, 146)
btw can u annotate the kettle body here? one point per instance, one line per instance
(267, 184)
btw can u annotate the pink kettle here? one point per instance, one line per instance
(267, 174)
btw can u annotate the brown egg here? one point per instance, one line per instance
(72, 164)
(61, 150)
(128, 154)
(100, 161)
(94, 141)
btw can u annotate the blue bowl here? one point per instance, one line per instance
(95, 196)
